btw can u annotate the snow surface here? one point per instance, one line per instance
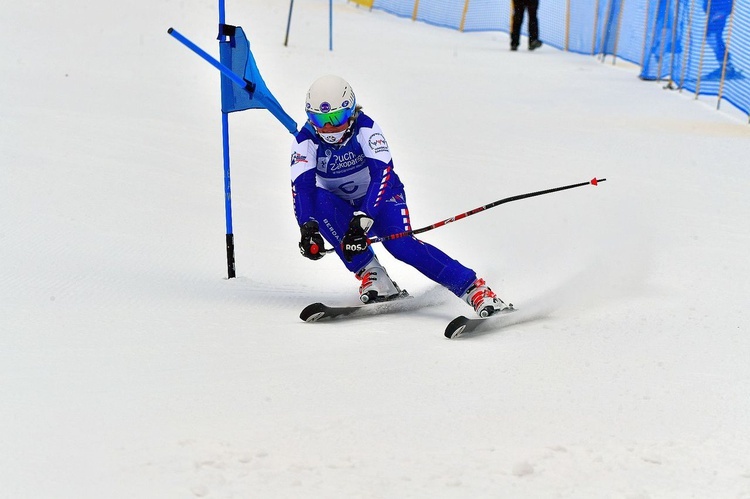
(131, 367)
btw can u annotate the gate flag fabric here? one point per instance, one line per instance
(235, 53)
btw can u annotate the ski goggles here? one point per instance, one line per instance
(334, 118)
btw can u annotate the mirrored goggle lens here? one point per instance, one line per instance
(334, 118)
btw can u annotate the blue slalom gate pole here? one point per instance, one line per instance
(256, 95)
(227, 196)
(231, 272)
(222, 13)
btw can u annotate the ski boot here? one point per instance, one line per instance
(484, 301)
(376, 286)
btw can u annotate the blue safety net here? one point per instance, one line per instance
(700, 45)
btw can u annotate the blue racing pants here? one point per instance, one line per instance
(333, 215)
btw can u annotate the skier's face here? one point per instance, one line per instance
(332, 134)
(328, 128)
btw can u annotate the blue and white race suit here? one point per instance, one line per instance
(330, 182)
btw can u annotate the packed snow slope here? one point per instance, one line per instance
(130, 366)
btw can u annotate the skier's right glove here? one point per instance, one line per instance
(311, 244)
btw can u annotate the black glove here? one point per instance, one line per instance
(311, 245)
(355, 240)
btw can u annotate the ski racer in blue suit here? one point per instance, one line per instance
(344, 187)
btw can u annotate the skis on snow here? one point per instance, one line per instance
(459, 326)
(319, 311)
(463, 325)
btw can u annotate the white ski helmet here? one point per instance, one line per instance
(330, 104)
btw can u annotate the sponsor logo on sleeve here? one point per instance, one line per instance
(298, 158)
(377, 142)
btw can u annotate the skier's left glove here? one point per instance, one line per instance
(355, 240)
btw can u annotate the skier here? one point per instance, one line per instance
(344, 187)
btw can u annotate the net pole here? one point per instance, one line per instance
(330, 25)
(617, 33)
(567, 25)
(595, 33)
(645, 35)
(674, 42)
(463, 16)
(605, 30)
(288, 23)
(726, 58)
(703, 52)
(686, 50)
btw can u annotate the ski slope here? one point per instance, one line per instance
(131, 367)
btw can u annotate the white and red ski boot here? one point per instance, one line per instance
(484, 301)
(376, 285)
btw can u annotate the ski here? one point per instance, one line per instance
(319, 311)
(462, 325)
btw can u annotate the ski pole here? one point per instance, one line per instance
(593, 181)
